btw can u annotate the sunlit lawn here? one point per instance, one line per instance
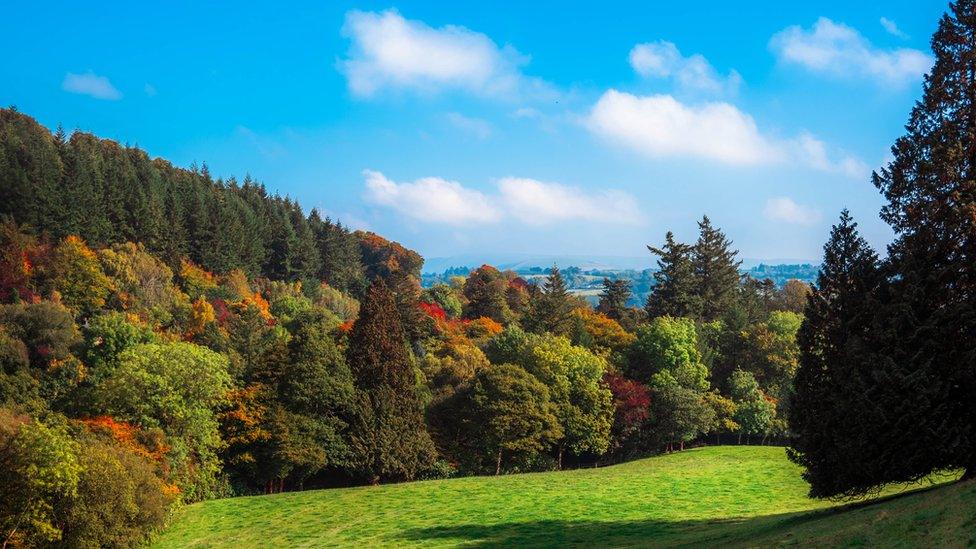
(726, 494)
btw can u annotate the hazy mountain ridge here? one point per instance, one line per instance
(519, 262)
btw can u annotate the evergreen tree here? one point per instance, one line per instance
(716, 270)
(829, 404)
(674, 292)
(930, 325)
(613, 300)
(30, 172)
(552, 309)
(342, 266)
(389, 437)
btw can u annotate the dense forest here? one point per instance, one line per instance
(166, 338)
(170, 337)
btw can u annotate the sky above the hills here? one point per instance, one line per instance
(502, 127)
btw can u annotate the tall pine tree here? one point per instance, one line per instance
(552, 308)
(674, 293)
(928, 356)
(829, 404)
(389, 437)
(717, 270)
(613, 300)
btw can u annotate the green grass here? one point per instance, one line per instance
(726, 495)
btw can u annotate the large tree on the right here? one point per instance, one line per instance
(928, 337)
(915, 411)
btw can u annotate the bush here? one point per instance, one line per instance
(119, 502)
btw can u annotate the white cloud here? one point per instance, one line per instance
(534, 202)
(538, 202)
(838, 50)
(661, 126)
(92, 85)
(787, 211)
(526, 112)
(891, 28)
(475, 126)
(663, 60)
(430, 199)
(389, 51)
(813, 152)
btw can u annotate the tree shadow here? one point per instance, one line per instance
(653, 532)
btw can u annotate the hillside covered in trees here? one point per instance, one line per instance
(170, 338)
(167, 338)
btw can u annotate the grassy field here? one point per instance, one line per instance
(723, 495)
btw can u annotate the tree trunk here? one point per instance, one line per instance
(681, 446)
(375, 480)
(970, 473)
(559, 463)
(740, 439)
(498, 464)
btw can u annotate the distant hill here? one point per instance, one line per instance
(520, 262)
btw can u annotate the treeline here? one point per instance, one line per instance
(886, 391)
(166, 375)
(107, 194)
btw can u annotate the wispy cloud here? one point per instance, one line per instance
(660, 126)
(891, 28)
(390, 52)
(526, 112)
(813, 152)
(663, 60)
(838, 50)
(785, 210)
(475, 126)
(266, 146)
(534, 202)
(92, 85)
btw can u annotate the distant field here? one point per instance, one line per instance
(730, 495)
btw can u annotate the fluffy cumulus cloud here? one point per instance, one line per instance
(838, 50)
(785, 210)
(538, 202)
(389, 51)
(92, 85)
(430, 199)
(436, 200)
(660, 126)
(663, 60)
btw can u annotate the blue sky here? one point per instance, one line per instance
(552, 128)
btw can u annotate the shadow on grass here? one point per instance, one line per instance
(656, 533)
